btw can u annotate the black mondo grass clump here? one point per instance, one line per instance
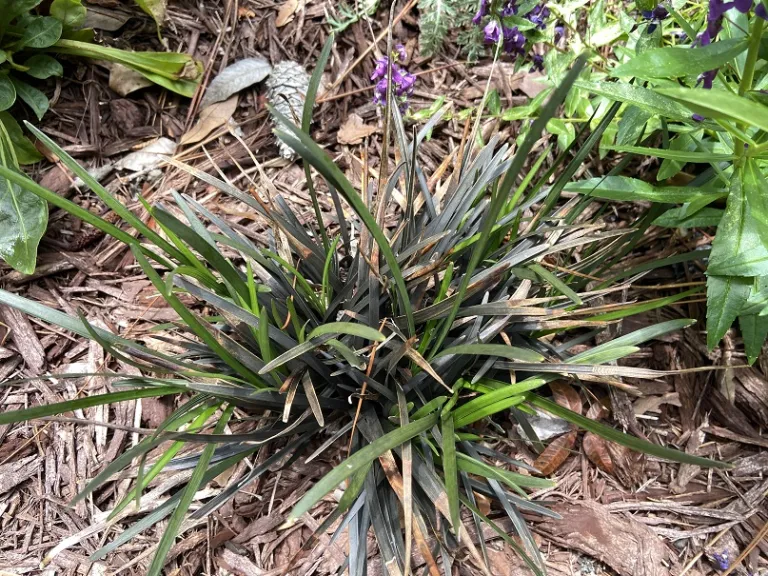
(397, 349)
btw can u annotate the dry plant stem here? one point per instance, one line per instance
(364, 387)
(407, 8)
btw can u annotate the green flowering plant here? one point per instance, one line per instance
(30, 40)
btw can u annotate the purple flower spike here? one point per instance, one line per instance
(538, 16)
(559, 33)
(510, 9)
(698, 117)
(514, 41)
(760, 11)
(538, 63)
(492, 32)
(381, 68)
(743, 6)
(481, 12)
(706, 79)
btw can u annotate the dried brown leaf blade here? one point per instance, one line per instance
(555, 454)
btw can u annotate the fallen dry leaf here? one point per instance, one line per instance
(619, 541)
(286, 12)
(599, 409)
(653, 403)
(123, 80)
(211, 117)
(353, 131)
(596, 450)
(149, 157)
(243, 12)
(555, 454)
(566, 396)
(235, 77)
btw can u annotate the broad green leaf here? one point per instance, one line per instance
(358, 460)
(26, 153)
(500, 350)
(627, 189)
(350, 328)
(42, 66)
(754, 329)
(756, 193)
(677, 61)
(739, 248)
(726, 296)
(632, 125)
(645, 99)
(678, 218)
(614, 435)
(154, 8)
(669, 167)
(679, 155)
(71, 13)
(7, 93)
(721, 105)
(33, 98)
(41, 32)
(23, 220)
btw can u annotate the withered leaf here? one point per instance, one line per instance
(566, 395)
(599, 410)
(555, 454)
(596, 450)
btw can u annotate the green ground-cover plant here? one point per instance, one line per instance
(402, 348)
(30, 42)
(702, 99)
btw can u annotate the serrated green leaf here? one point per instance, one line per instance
(678, 218)
(644, 98)
(756, 194)
(721, 105)
(71, 13)
(726, 297)
(42, 66)
(677, 61)
(754, 329)
(32, 97)
(632, 125)
(627, 189)
(739, 248)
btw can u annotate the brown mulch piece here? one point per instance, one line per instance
(638, 517)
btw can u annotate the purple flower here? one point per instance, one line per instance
(402, 81)
(655, 17)
(492, 32)
(698, 117)
(706, 79)
(723, 560)
(400, 52)
(743, 6)
(514, 41)
(481, 12)
(537, 63)
(559, 32)
(538, 16)
(381, 68)
(510, 9)
(760, 11)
